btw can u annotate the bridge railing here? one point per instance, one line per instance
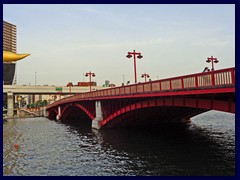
(200, 80)
(212, 79)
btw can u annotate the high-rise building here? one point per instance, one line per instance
(9, 44)
(9, 37)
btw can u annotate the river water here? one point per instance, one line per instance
(204, 147)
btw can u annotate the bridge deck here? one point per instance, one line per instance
(218, 81)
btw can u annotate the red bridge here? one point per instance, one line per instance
(167, 100)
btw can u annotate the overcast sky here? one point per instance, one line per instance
(66, 41)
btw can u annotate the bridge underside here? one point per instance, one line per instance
(75, 116)
(148, 116)
(141, 112)
(52, 114)
(154, 116)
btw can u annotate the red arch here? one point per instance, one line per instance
(208, 104)
(80, 107)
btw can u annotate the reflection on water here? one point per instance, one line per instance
(204, 147)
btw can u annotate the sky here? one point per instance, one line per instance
(66, 41)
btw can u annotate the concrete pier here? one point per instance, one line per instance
(99, 117)
(59, 113)
(10, 104)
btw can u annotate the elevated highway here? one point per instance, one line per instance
(12, 90)
(21, 89)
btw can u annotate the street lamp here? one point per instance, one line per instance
(90, 74)
(214, 60)
(139, 56)
(70, 85)
(145, 75)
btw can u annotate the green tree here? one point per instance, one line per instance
(45, 102)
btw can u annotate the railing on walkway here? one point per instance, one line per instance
(30, 112)
(210, 79)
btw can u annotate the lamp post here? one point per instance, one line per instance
(90, 74)
(213, 60)
(70, 85)
(139, 56)
(145, 75)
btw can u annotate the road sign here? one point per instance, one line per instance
(58, 88)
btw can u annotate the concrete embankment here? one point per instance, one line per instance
(26, 113)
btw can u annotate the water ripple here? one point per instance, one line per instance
(205, 147)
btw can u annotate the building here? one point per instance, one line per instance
(9, 44)
(9, 37)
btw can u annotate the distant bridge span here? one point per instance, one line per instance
(171, 100)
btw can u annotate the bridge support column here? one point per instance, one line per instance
(10, 104)
(44, 112)
(59, 113)
(99, 117)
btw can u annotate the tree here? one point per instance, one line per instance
(45, 102)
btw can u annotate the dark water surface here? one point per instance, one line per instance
(204, 147)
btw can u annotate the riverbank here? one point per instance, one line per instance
(5, 118)
(26, 113)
